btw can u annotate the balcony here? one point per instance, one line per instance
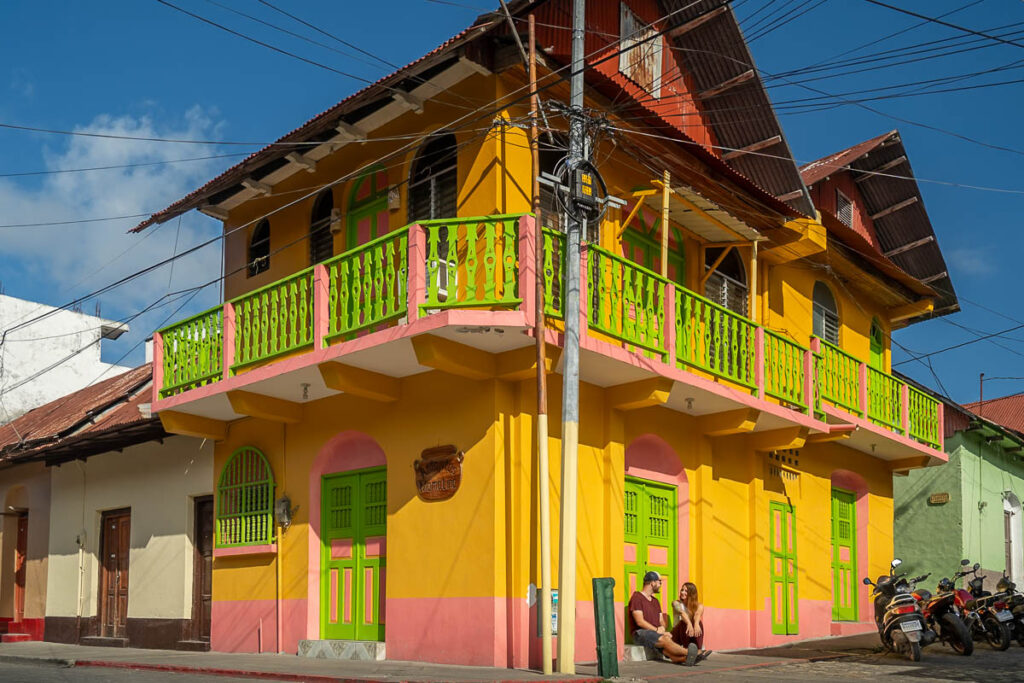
(458, 295)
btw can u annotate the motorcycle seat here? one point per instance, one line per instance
(924, 594)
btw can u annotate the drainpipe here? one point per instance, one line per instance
(80, 540)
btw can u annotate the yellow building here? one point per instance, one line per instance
(370, 379)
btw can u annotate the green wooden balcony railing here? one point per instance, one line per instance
(274, 320)
(885, 400)
(784, 370)
(472, 262)
(626, 301)
(838, 377)
(715, 339)
(193, 352)
(554, 272)
(924, 418)
(368, 285)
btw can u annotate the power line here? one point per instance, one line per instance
(117, 166)
(934, 20)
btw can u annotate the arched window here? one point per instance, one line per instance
(825, 314)
(877, 360)
(321, 241)
(433, 183)
(259, 248)
(245, 500)
(727, 286)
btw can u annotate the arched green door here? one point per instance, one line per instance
(367, 217)
(844, 556)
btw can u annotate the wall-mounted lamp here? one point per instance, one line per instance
(284, 512)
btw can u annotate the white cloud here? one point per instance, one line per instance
(970, 260)
(58, 263)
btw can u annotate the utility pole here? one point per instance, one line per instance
(571, 368)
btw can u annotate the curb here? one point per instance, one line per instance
(38, 661)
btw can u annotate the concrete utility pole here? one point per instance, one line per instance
(571, 368)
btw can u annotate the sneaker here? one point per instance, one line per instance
(692, 654)
(704, 655)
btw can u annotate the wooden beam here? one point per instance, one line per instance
(730, 422)
(301, 161)
(778, 439)
(694, 23)
(933, 278)
(360, 382)
(257, 186)
(704, 214)
(913, 463)
(835, 433)
(453, 357)
(193, 425)
(894, 208)
(910, 245)
(714, 267)
(214, 211)
(411, 102)
(265, 407)
(639, 195)
(350, 133)
(881, 169)
(790, 195)
(912, 310)
(753, 147)
(474, 66)
(519, 364)
(725, 85)
(643, 393)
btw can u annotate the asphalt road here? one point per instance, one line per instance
(48, 673)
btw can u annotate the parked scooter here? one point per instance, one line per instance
(985, 614)
(943, 616)
(901, 626)
(1015, 602)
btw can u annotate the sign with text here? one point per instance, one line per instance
(438, 472)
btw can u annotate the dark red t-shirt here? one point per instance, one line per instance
(651, 609)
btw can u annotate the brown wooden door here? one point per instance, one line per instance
(116, 544)
(202, 578)
(20, 555)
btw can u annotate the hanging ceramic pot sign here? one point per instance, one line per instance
(439, 472)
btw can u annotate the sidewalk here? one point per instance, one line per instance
(273, 667)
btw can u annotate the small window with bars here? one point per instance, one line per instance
(825, 314)
(259, 248)
(321, 240)
(844, 209)
(245, 501)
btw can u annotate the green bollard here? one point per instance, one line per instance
(604, 624)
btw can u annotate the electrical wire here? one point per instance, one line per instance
(934, 20)
(117, 166)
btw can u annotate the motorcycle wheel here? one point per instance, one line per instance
(915, 652)
(1020, 633)
(955, 632)
(997, 634)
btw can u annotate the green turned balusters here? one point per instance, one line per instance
(471, 263)
(389, 278)
(490, 259)
(630, 305)
(452, 262)
(510, 260)
(344, 296)
(378, 282)
(433, 263)
(660, 317)
(367, 293)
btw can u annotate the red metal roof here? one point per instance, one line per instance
(100, 410)
(1007, 411)
(834, 163)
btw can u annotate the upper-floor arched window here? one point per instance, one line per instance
(245, 500)
(825, 314)
(321, 241)
(727, 286)
(433, 183)
(259, 248)
(877, 339)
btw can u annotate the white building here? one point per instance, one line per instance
(50, 357)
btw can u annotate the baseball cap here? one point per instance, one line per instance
(652, 576)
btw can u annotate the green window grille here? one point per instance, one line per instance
(245, 500)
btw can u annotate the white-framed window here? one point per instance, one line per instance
(640, 60)
(825, 314)
(844, 209)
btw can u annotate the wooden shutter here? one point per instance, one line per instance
(783, 569)
(844, 556)
(844, 209)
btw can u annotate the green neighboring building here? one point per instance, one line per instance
(969, 507)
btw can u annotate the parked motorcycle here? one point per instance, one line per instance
(1015, 602)
(986, 615)
(943, 616)
(901, 626)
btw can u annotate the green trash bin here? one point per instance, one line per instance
(604, 624)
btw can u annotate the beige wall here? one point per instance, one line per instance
(158, 482)
(25, 487)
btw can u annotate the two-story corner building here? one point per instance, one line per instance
(370, 379)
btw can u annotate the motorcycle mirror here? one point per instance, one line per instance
(977, 566)
(867, 581)
(897, 562)
(964, 563)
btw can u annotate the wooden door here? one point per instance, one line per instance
(353, 555)
(650, 537)
(116, 545)
(844, 556)
(202, 569)
(783, 567)
(20, 555)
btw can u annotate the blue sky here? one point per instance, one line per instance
(141, 68)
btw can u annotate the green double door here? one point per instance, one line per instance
(353, 555)
(782, 557)
(844, 556)
(650, 536)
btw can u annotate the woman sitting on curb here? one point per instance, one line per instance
(689, 618)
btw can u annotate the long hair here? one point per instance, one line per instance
(691, 597)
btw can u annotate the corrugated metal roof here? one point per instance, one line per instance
(899, 228)
(95, 412)
(1007, 411)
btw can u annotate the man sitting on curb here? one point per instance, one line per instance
(649, 623)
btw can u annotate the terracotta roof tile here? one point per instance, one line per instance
(1007, 411)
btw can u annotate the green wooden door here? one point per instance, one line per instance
(782, 548)
(353, 555)
(844, 556)
(650, 536)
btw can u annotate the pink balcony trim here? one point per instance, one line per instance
(905, 408)
(867, 425)
(158, 365)
(670, 324)
(759, 362)
(228, 340)
(416, 292)
(942, 426)
(862, 387)
(584, 304)
(528, 268)
(321, 305)
(815, 347)
(267, 549)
